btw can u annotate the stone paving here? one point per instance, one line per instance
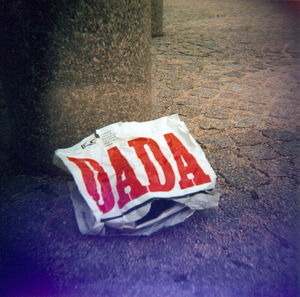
(230, 69)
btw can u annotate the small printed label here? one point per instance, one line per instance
(109, 138)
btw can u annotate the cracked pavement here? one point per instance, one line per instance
(230, 69)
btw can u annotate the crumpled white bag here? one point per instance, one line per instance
(135, 178)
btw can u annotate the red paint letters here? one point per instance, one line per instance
(128, 185)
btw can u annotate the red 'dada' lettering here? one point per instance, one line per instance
(88, 176)
(122, 168)
(155, 185)
(181, 155)
(128, 186)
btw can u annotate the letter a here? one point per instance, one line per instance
(186, 164)
(123, 169)
(88, 176)
(155, 185)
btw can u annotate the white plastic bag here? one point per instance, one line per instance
(134, 178)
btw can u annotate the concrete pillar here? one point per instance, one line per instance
(70, 67)
(157, 17)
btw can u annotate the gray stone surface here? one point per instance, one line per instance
(157, 17)
(224, 159)
(259, 152)
(281, 135)
(249, 245)
(217, 142)
(243, 178)
(287, 148)
(213, 124)
(283, 197)
(249, 138)
(204, 93)
(276, 168)
(71, 68)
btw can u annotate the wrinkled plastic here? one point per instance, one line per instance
(134, 178)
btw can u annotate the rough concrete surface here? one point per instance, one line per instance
(157, 17)
(230, 69)
(69, 68)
